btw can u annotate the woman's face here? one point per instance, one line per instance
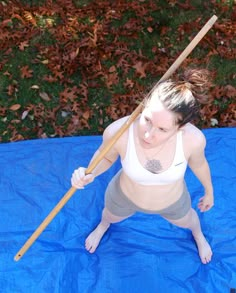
(156, 125)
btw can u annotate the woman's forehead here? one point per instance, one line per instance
(160, 116)
(156, 106)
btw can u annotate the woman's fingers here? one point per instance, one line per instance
(79, 179)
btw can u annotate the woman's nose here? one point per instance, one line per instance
(149, 133)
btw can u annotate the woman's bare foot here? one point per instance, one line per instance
(94, 238)
(204, 249)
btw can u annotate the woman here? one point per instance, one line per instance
(155, 152)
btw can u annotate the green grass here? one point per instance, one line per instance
(227, 70)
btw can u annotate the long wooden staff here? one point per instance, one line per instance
(113, 140)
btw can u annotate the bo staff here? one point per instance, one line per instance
(113, 140)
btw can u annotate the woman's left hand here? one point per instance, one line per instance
(206, 203)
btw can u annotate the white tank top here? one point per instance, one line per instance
(136, 172)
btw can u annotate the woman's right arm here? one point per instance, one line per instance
(79, 179)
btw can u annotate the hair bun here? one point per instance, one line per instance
(197, 80)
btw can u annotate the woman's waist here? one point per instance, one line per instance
(152, 197)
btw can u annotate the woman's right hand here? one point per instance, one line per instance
(79, 179)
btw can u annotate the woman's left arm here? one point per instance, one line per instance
(200, 167)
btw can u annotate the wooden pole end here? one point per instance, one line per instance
(17, 257)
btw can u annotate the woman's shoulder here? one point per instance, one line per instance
(193, 137)
(121, 142)
(114, 127)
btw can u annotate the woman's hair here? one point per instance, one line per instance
(184, 95)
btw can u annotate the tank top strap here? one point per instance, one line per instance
(179, 147)
(130, 144)
(131, 136)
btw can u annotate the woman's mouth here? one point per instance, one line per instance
(145, 143)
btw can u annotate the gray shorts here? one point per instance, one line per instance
(120, 205)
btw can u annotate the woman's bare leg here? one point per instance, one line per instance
(95, 236)
(191, 221)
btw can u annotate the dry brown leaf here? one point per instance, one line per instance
(23, 45)
(49, 78)
(26, 72)
(112, 69)
(140, 68)
(30, 18)
(230, 91)
(15, 107)
(34, 87)
(11, 89)
(24, 115)
(44, 96)
(128, 83)
(46, 61)
(86, 115)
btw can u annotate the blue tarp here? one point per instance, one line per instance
(141, 254)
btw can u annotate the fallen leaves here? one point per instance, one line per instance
(68, 94)
(221, 111)
(99, 48)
